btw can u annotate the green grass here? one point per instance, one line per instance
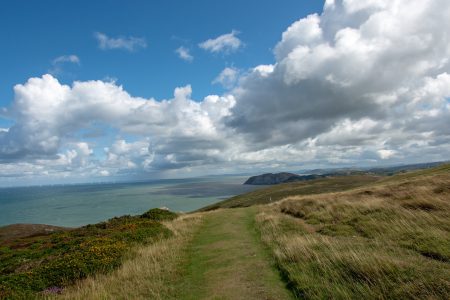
(389, 239)
(31, 265)
(281, 191)
(226, 260)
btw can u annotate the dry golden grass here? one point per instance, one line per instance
(148, 274)
(386, 240)
(280, 191)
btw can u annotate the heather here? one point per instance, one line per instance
(47, 263)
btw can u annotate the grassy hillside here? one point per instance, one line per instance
(277, 192)
(389, 239)
(45, 263)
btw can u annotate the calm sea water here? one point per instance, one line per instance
(76, 205)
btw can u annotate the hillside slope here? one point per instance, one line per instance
(389, 239)
(281, 191)
(35, 262)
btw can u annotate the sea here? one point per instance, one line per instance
(81, 204)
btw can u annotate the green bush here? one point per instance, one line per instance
(158, 214)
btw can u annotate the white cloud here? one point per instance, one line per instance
(66, 58)
(49, 117)
(264, 70)
(225, 43)
(60, 61)
(184, 54)
(123, 155)
(227, 78)
(125, 43)
(385, 154)
(358, 60)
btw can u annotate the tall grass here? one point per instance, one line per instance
(280, 191)
(31, 265)
(387, 240)
(149, 274)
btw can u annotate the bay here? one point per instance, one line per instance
(81, 204)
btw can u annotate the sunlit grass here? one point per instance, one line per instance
(386, 240)
(151, 273)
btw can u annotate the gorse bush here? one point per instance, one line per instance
(31, 265)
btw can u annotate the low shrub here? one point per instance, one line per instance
(158, 214)
(31, 265)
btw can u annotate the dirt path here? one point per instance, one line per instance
(227, 261)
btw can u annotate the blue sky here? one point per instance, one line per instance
(34, 33)
(106, 90)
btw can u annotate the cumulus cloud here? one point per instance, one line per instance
(123, 155)
(184, 54)
(49, 116)
(359, 62)
(226, 43)
(130, 43)
(227, 78)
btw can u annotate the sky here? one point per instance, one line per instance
(137, 90)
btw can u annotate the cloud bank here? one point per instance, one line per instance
(50, 116)
(364, 82)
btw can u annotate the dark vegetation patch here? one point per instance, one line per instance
(442, 188)
(420, 205)
(34, 265)
(367, 192)
(158, 214)
(15, 231)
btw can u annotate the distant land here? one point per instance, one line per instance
(270, 178)
(286, 177)
(386, 170)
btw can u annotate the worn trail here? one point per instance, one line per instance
(226, 260)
